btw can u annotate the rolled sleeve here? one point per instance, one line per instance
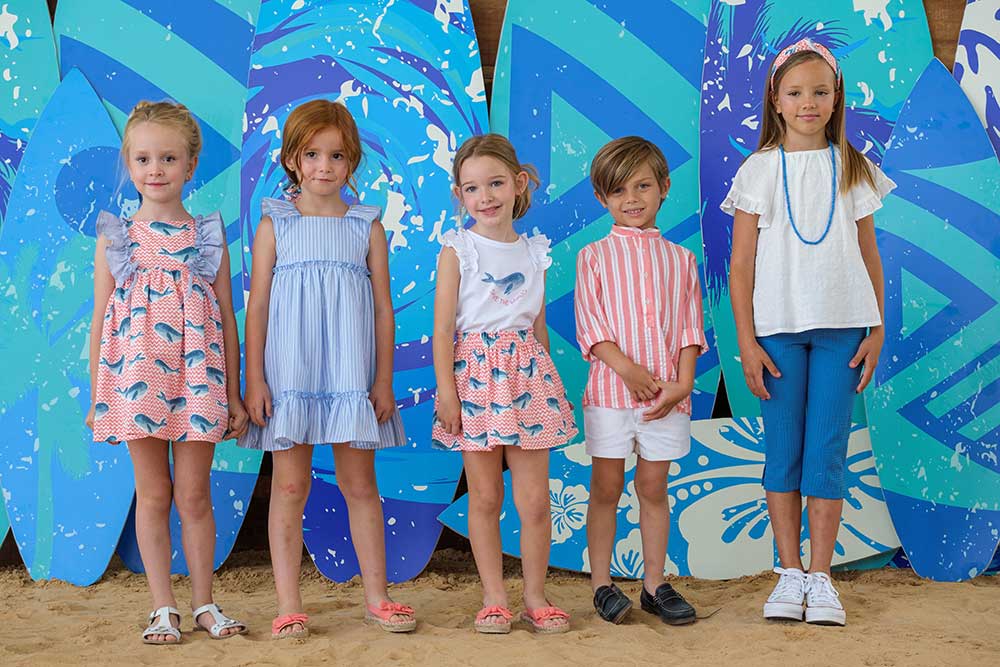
(592, 325)
(693, 324)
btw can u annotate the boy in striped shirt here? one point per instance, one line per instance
(639, 324)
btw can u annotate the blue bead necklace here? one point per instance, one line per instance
(788, 200)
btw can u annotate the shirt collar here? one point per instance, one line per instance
(634, 232)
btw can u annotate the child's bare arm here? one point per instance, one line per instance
(104, 286)
(258, 397)
(445, 310)
(382, 397)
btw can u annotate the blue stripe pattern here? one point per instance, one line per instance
(319, 359)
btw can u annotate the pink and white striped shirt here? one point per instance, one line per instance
(638, 290)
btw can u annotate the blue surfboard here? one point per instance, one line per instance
(719, 523)
(67, 497)
(195, 52)
(30, 61)
(935, 405)
(881, 53)
(560, 98)
(410, 74)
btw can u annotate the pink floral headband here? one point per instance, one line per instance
(805, 44)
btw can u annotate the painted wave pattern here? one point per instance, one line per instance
(28, 60)
(578, 101)
(195, 36)
(874, 48)
(415, 101)
(977, 63)
(939, 382)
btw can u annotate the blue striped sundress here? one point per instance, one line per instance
(319, 358)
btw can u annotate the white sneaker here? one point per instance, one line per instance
(786, 599)
(822, 601)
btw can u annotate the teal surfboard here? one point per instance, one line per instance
(410, 74)
(28, 57)
(66, 496)
(29, 75)
(881, 49)
(196, 52)
(719, 523)
(935, 403)
(570, 76)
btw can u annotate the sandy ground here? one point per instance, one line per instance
(894, 618)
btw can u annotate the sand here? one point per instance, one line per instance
(895, 618)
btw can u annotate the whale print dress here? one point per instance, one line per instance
(162, 369)
(510, 392)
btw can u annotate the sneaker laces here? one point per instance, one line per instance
(821, 591)
(791, 585)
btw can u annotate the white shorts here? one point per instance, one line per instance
(614, 433)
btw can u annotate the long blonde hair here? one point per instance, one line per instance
(499, 148)
(856, 168)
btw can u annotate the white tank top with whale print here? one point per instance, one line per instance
(503, 284)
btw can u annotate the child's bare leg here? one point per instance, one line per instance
(153, 496)
(290, 482)
(484, 474)
(607, 479)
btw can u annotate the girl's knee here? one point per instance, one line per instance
(155, 496)
(193, 503)
(358, 489)
(488, 501)
(290, 492)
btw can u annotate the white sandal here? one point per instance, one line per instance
(162, 627)
(222, 622)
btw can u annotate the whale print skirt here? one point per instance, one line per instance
(510, 394)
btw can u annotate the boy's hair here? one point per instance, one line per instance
(772, 130)
(499, 148)
(166, 113)
(618, 160)
(312, 117)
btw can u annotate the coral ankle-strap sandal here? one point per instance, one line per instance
(538, 617)
(221, 622)
(383, 613)
(159, 624)
(493, 628)
(282, 622)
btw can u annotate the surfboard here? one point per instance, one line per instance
(28, 61)
(29, 75)
(570, 76)
(977, 63)
(196, 53)
(410, 74)
(935, 402)
(882, 51)
(719, 523)
(67, 497)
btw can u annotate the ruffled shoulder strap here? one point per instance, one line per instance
(366, 213)
(278, 208)
(459, 241)
(210, 238)
(119, 248)
(539, 247)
